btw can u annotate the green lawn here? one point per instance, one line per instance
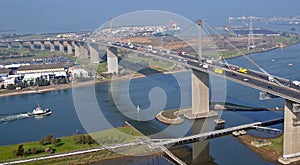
(277, 144)
(107, 137)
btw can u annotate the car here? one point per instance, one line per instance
(233, 67)
(269, 87)
(245, 79)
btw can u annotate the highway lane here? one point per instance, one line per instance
(254, 79)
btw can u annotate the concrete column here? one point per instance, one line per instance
(200, 96)
(52, 46)
(291, 139)
(112, 60)
(9, 45)
(69, 47)
(61, 46)
(42, 44)
(84, 52)
(200, 92)
(31, 45)
(77, 49)
(94, 54)
(21, 46)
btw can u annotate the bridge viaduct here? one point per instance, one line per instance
(200, 84)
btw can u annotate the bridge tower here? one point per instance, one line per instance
(251, 44)
(291, 139)
(200, 87)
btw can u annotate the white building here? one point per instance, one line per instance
(8, 81)
(79, 72)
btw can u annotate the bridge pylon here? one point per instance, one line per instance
(200, 87)
(291, 139)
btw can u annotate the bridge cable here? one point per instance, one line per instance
(248, 58)
(216, 48)
(191, 25)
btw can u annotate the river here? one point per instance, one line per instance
(17, 128)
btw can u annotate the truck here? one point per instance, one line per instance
(270, 78)
(297, 83)
(243, 70)
(208, 61)
(218, 71)
(149, 48)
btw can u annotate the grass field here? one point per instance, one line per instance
(277, 144)
(107, 137)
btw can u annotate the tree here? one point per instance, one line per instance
(79, 139)
(54, 141)
(34, 150)
(46, 140)
(10, 86)
(20, 150)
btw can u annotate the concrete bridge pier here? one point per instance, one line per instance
(9, 45)
(84, 52)
(61, 46)
(52, 46)
(291, 139)
(21, 46)
(42, 44)
(94, 54)
(69, 47)
(31, 45)
(76, 49)
(200, 96)
(112, 60)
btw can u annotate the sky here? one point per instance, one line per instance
(59, 15)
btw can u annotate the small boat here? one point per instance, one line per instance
(38, 111)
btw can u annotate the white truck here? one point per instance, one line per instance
(297, 83)
(271, 78)
(149, 48)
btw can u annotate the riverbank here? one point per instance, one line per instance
(74, 84)
(269, 153)
(83, 153)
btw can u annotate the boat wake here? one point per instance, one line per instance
(13, 117)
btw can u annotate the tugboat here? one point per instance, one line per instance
(38, 111)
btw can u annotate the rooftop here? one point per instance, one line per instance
(40, 67)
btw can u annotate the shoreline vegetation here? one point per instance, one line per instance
(67, 144)
(269, 153)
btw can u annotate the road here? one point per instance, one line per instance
(252, 78)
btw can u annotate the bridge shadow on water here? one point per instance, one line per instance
(197, 152)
